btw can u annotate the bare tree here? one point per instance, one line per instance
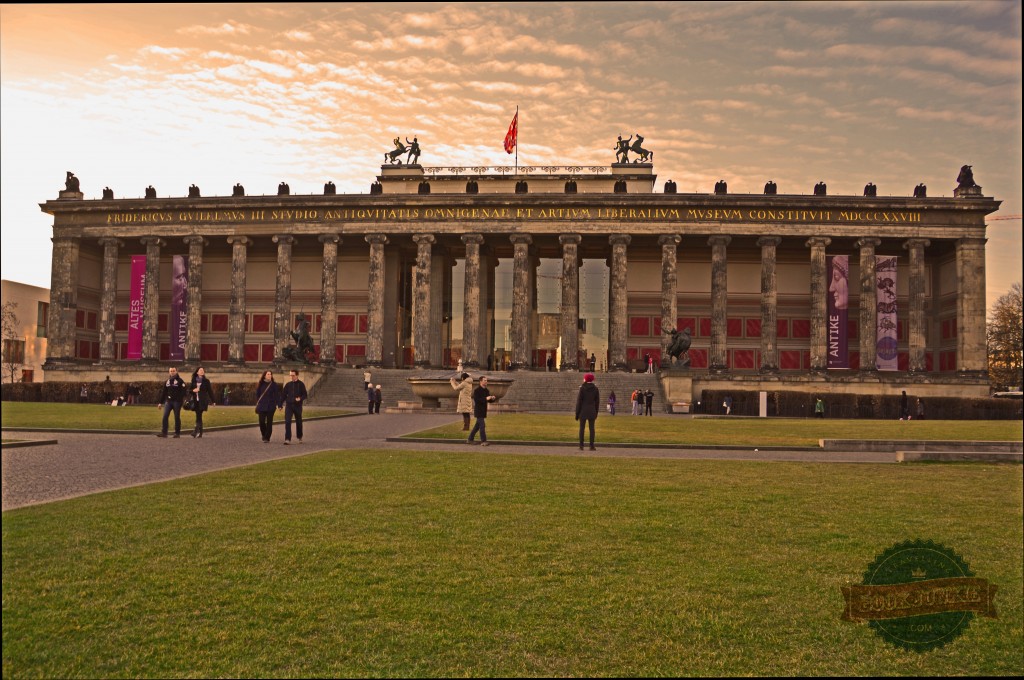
(13, 343)
(1005, 345)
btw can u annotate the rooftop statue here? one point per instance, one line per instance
(645, 156)
(283, 189)
(330, 189)
(193, 192)
(771, 188)
(621, 150)
(71, 182)
(238, 190)
(965, 179)
(414, 151)
(395, 156)
(108, 194)
(150, 192)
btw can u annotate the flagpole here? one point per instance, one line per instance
(517, 140)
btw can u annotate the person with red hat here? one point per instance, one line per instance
(587, 403)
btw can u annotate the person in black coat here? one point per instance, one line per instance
(293, 396)
(481, 397)
(202, 392)
(648, 402)
(268, 400)
(171, 398)
(587, 403)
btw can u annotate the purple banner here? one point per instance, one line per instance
(137, 303)
(179, 307)
(838, 313)
(885, 345)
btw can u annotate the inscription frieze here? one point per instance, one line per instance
(536, 213)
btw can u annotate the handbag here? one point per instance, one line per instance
(190, 403)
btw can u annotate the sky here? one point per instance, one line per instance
(894, 93)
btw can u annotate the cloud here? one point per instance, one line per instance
(228, 28)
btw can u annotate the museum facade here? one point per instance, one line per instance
(541, 268)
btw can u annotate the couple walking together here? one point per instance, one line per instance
(473, 401)
(176, 392)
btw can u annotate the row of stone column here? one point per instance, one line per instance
(970, 311)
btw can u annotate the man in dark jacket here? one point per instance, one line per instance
(171, 397)
(648, 401)
(293, 396)
(481, 397)
(587, 403)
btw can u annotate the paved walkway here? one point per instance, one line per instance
(82, 463)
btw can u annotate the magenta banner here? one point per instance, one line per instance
(136, 305)
(179, 307)
(885, 292)
(838, 312)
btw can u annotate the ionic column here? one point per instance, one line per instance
(329, 299)
(971, 351)
(151, 305)
(471, 302)
(669, 293)
(570, 324)
(108, 298)
(520, 324)
(819, 304)
(421, 299)
(769, 305)
(915, 331)
(236, 308)
(719, 301)
(617, 302)
(868, 304)
(193, 334)
(375, 301)
(60, 321)
(283, 297)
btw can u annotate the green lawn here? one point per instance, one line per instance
(100, 417)
(732, 432)
(392, 563)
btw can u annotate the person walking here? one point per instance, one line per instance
(634, 398)
(649, 402)
(268, 400)
(371, 398)
(465, 404)
(294, 395)
(227, 396)
(819, 408)
(904, 406)
(727, 405)
(481, 397)
(920, 409)
(83, 394)
(202, 395)
(587, 402)
(611, 402)
(376, 400)
(171, 397)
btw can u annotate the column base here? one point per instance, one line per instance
(718, 369)
(519, 366)
(769, 370)
(569, 367)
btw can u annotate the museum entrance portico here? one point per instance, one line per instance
(542, 280)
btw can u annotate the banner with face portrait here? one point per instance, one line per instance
(179, 307)
(838, 267)
(136, 305)
(885, 325)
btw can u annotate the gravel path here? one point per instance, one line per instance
(82, 463)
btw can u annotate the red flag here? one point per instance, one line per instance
(513, 134)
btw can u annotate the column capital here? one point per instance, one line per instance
(477, 239)
(329, 238)
(769, 241)
(818, 242)
(153, 241)
(285, 239)
(108, 241)
(620, 239)
(570, 239)
(420, 239)
(521, 239)
(239, 241)
(868, 242)
(195, 240)
(971, 242)
(720, 240)
(912, 243)
(65, 239)
(376, 239)
(669, 240)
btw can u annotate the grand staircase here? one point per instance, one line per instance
(533, 391)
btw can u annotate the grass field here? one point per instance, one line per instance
(143, 418)
(732, 432)
(390, 563)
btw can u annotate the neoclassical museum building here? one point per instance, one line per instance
(533, 268)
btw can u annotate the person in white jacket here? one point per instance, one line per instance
(465, 406)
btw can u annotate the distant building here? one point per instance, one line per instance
(785, 290)
(26, 353)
